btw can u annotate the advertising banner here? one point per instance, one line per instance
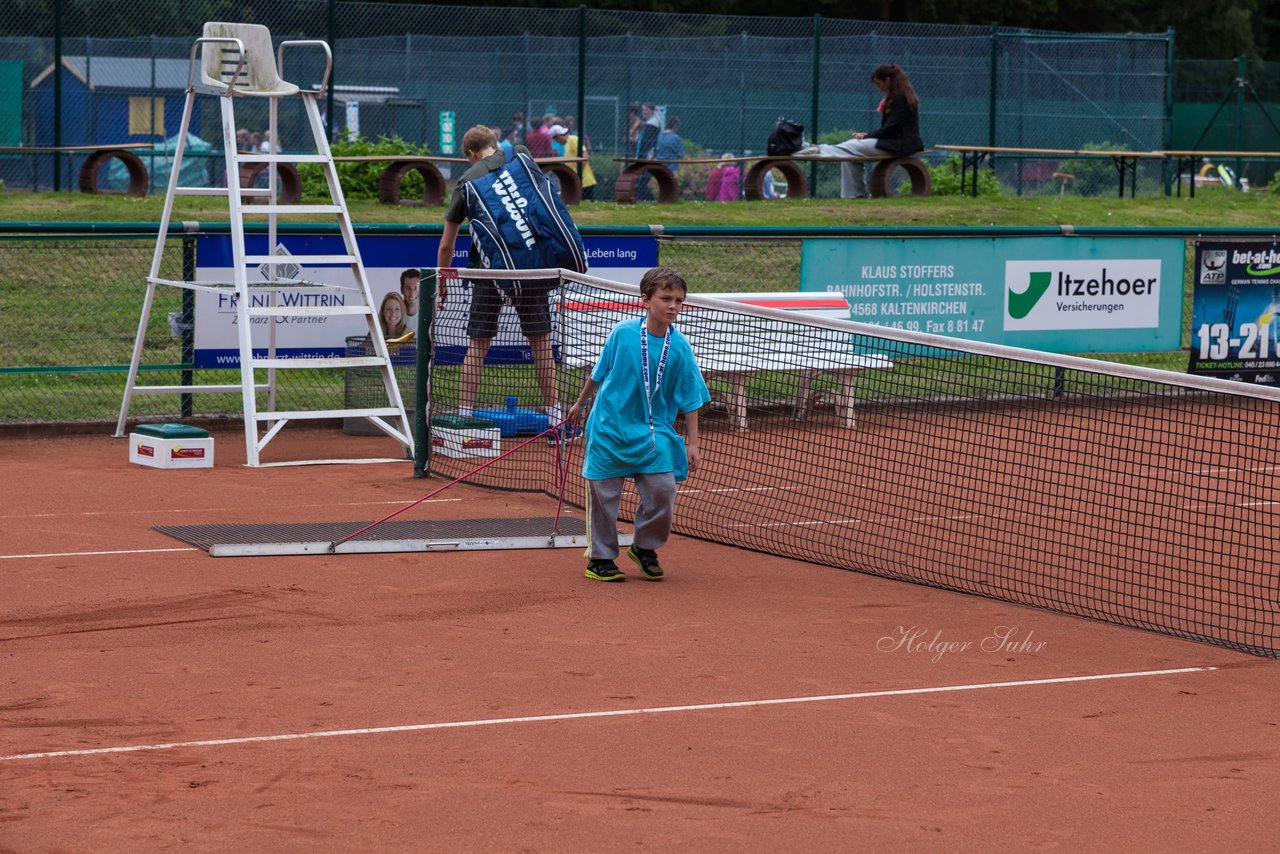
(622, 259)
(1234, 332)
(1056, 294)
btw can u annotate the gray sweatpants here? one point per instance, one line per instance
(853, 175)
(653, 517)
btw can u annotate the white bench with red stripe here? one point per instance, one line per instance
(733, 348)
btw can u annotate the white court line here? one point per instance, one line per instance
(1233, 470)
(734, 489)
(209, 509)
(93, 554)
(861, 521)
(656, 710)
(1057, 513)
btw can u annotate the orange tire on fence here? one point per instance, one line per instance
(881, 177)
(92, 166)
(570, 183)
(433, 184)
(289, 182)
(753, 184)
(624, 189)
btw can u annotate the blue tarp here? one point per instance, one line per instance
(159, 158)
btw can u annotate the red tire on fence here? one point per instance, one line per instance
(753, 184)
(92, 166)
(624, 189)
(289, 186)
(882, 176)
(570, 183)
(433, 184)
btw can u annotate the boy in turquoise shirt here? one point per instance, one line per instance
(645, 375)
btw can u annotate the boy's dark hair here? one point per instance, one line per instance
(478, 138)
(673, 123)
(411, 273)
(659, 278)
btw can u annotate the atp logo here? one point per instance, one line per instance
(1020, 304)
(1213, 263)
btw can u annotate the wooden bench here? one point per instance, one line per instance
(733, 348)
(880, 183)
(435, 187)
(92, 165)
(1126, 162)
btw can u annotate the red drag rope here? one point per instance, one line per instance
(562, 480)
(334, 545)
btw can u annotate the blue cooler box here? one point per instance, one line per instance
(513, 421)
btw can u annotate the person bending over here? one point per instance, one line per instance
(480, 146)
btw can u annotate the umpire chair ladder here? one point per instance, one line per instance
(236, 61)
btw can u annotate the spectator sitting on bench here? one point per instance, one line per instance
(670, 145)
(573, 148)
(722, 183)
(898, 134)
(647, 145)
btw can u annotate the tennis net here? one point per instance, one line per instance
(1133, 496)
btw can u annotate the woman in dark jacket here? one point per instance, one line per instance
(899, 132)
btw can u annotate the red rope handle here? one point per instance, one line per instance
(562, 480)
(334, 545)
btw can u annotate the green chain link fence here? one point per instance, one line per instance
(81, 72)
(1229, 105)
(70, 300)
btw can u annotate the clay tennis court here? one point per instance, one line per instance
(157, 698)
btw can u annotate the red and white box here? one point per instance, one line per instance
(466, 442)
(184, 453)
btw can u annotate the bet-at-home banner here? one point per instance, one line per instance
(1235, 330)
(623, 259)
(1056, 294)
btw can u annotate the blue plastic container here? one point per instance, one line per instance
(514, 421)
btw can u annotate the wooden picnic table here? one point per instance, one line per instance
(1188, 158)
(92, 165)
(1126, 162)
(435, 187)
(753, 181)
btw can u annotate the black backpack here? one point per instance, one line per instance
(787, 138)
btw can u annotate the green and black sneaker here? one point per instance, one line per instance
(647, 560)
(604, 570)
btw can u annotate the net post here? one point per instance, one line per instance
(187, 318)
(422, 376)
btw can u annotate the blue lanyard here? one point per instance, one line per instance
(657, 377)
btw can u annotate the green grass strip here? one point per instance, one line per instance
(92, 369)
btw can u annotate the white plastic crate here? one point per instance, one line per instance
(466, 443)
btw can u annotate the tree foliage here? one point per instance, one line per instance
(1206, 29)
